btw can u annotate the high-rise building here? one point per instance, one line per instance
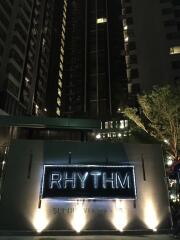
(85, 58)
(91, 73)
(152, 42)
(25, 41)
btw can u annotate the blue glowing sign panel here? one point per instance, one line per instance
(88, 181)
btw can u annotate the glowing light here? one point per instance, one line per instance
(119, 135)
(172, 196)
(45, 109)
(101, 20)
(27, 79)
(119, 216)
(169, 162)
(40, 221)
(150, 216)
(79, 218)
(166, 141)
(126, 39)
(125, 27)
(98, 136)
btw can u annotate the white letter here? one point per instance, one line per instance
(122, 183)
(71, 180)
(95, 175)
(55, 180)
(82, 178)
(108, 180)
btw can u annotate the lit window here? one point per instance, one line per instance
(126, 123)
(62, 42)
(63, 36)
(61, 57)
(125, 27)
(63, 28)
(175, 50)
(60, 83)
(106, 125)
(27, 79)
(61, 66)
(111, 124)
(126, 39)
(64, 15)
(65, 8)
(59, 101)
(101, 20)
(59, 92)
(60, 74)
(122, 124)
(62, 50)
(58, 111)
(64, 22)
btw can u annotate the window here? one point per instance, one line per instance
(1, 50)
(177, 13)
(3, 19)
(129, 21)
(12, 69)
(169, 23)
(14, 55)
(2, 34)
(167, 11)
(18, 43)
(128, 10)
(101, 20)
(176, 64)
(58, 111)
(132, 59)
(174, 35)
(59, 101)
(176, 2)
(175, 50)
(60, 74)
(134, 73)
(12, 88)
(59, 92)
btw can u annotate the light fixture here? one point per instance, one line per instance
(169, 162)
(79, 219)
(150, 216)
(98, 136)
(40, 220)
(166, 141)
(119, 216)
(101, 20)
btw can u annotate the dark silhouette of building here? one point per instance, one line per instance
(85, 58)
(25, 41)
(89, 49)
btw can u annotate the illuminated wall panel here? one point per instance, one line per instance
(24, 208)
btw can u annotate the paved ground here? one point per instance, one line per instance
(140, 237)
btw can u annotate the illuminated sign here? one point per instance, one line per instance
(88, 181)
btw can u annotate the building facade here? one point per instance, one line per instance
(85, 58)
(25, 40)
(152, 43)
(92, 69)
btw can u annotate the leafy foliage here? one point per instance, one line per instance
(159, 116)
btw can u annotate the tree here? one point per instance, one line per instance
(159, 115)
